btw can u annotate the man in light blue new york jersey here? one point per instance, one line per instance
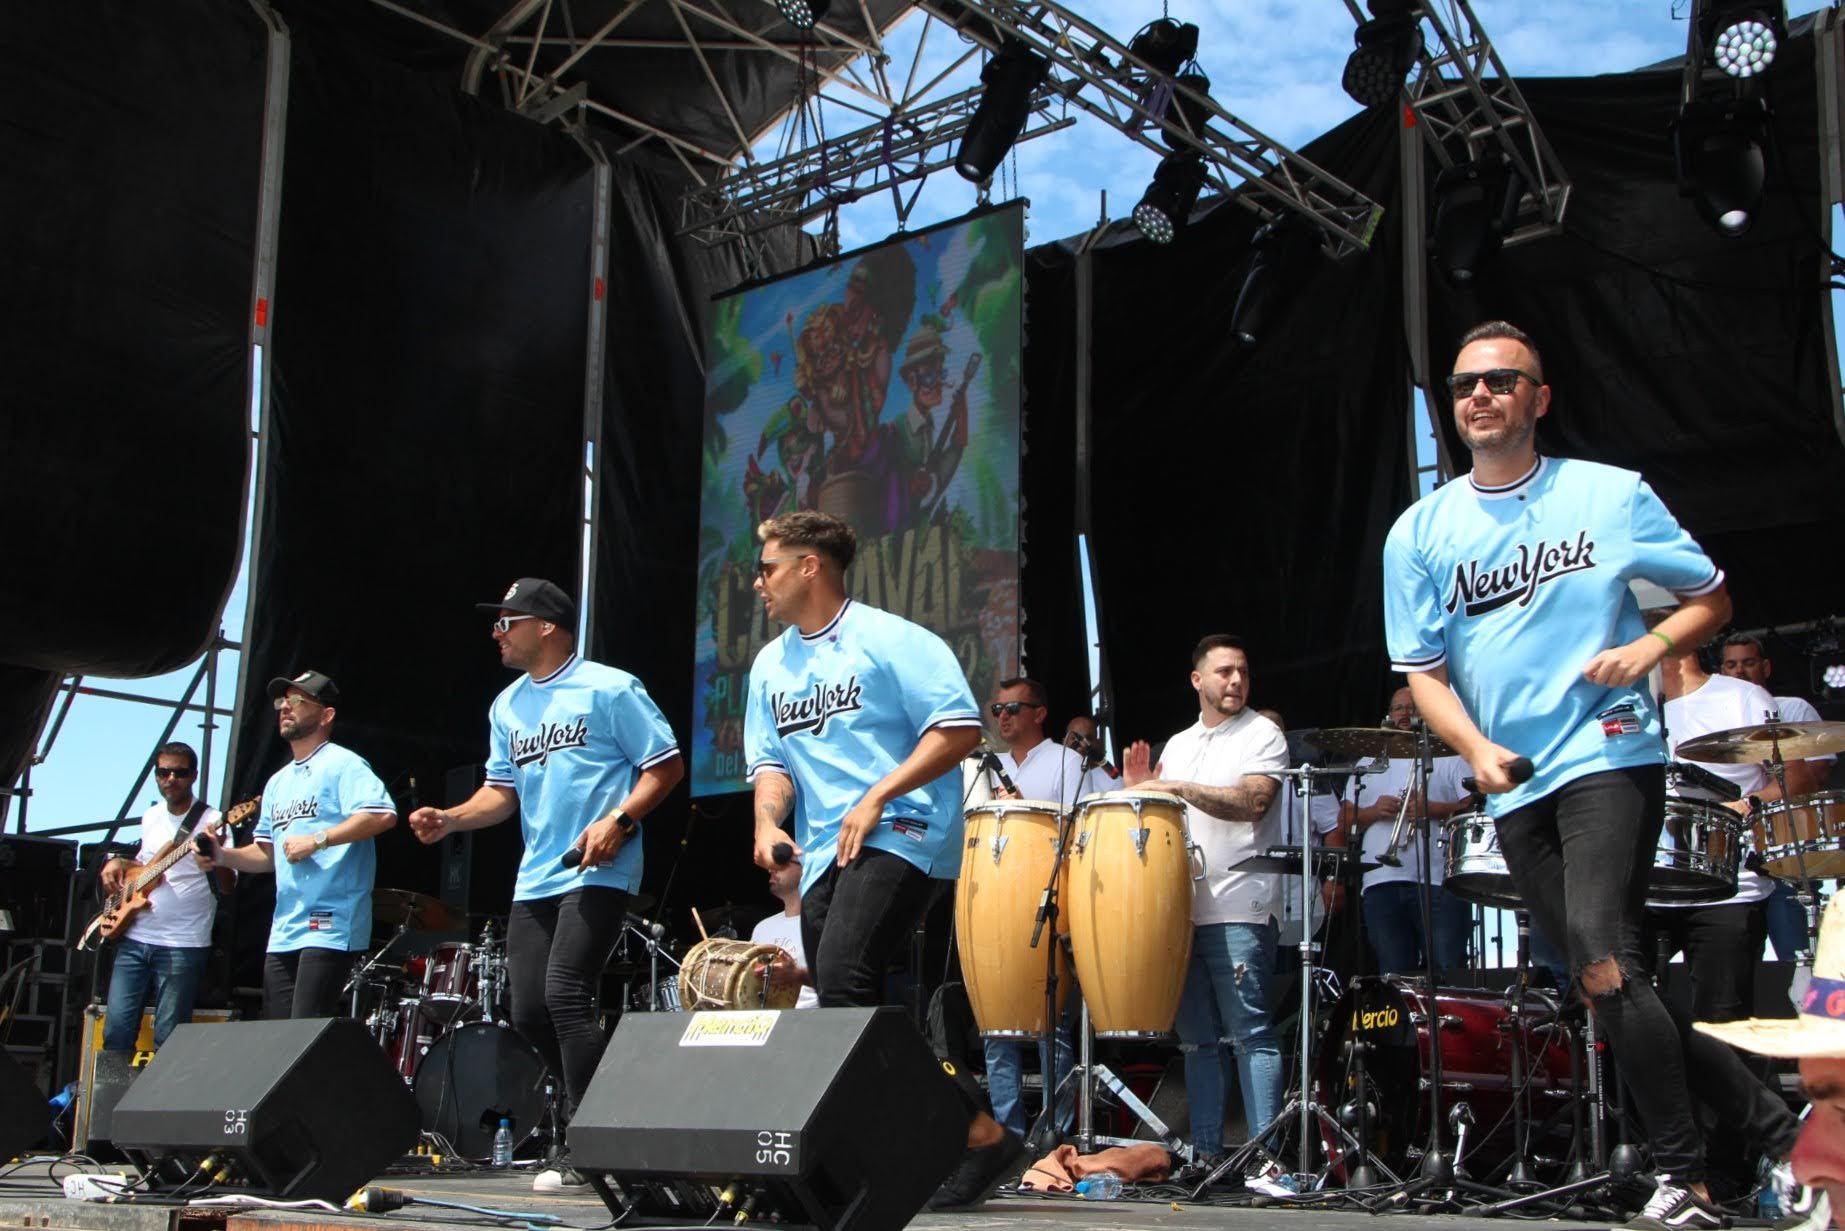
(855, 720)
(581, 753)
(323, 809)
(1507, 605)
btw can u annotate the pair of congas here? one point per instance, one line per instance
(1125, 894)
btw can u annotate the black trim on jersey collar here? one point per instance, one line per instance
(310, 756)
(830, 624)
(568, 663)
(1502, 489)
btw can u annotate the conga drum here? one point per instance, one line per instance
(1129, 902)
(1005, 865)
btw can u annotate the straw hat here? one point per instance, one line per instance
(1819, 1030)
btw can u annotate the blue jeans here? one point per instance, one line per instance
(1787, 922)
(174, 976)
(1393, 921)
(1225, 1012)
(1005, 1082)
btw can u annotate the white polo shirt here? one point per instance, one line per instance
(1224, 755)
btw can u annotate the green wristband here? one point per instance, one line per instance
(1670, 648)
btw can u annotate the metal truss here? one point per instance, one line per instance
(1097, 73)
(1466, 103)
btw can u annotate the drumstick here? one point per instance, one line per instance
(701, 924)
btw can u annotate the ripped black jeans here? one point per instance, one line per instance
(1580, 857)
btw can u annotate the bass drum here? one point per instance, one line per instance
(473, 1077)
(1391, 1016)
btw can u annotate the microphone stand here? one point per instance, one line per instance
(356, 979)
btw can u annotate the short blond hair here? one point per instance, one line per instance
(812, 529)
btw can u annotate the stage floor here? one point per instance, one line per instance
(512, 1193)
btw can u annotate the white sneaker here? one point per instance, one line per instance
(559, 1177)
(1271, 1181)
(1784, 1199)
(1674, 1208)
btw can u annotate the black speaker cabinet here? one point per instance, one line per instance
(296, 1109)
(23, 1114)
(832, 1118)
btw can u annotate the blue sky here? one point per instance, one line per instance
(1274, 64)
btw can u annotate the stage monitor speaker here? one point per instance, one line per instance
(23, 1114)
(841, 1119)
(294, 1109)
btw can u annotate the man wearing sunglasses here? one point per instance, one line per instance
(323, 809)
(855, 722)
(1507, 605)
(581, 754)
(166, 946)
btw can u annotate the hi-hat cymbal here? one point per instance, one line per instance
(422, 912)
(1795, 741)
(1376, 742)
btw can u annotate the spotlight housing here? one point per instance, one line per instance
(1166, 207)
(1283, 249)
(1186, 110)
(1720, 144)
(803, 14)
(1009, 76)
(1476, 207)
(1742, 39)
(1387, 48)
(1165, 44)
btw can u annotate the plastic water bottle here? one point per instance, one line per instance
(502, 1144)
(1102, 1186)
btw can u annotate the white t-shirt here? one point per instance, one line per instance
(1720, 703)
(785, 930)
(1222, 756)
(180, 908)
(1798, 709)
(1054, 774)
(1444, 787)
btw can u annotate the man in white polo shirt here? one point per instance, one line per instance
(1225, 767)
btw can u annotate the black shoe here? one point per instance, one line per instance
(1676, 1208)
(979, 1172)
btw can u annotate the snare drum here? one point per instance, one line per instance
(1806, 830)
(1700, 851)
(1474, 868)
(451, 982)
(1006, 862)
(727, 974)
(1130, 909)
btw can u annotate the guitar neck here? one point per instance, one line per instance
(158, 868)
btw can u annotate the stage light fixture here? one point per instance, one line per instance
(1165, 45)
(1386, 49)
(1476, 206)
(1743, 38)
(1009, 76)
(1166, 206)
(1282, 248)
(1720, 144)
(1191, 112)
(803, 14)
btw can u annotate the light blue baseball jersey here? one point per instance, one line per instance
(1516, 588)
(325, 900)
(572, 745)
(838, 710)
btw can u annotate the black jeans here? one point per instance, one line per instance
(1579, 858)
(1722, 944)
(855, 919)
(555, 951)
(306, 983)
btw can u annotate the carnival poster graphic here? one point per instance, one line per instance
(884, 388)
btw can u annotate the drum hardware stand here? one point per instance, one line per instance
(1044, 1129)
(356, 979)
(1305, 1103)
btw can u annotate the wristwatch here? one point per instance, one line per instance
(320, 840)
(624, 823)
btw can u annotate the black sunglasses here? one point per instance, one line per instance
(1498, 380)
(1010, 708)
(162, 771)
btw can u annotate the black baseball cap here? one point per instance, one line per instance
(538, 597)
(315, 684)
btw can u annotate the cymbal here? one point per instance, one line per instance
(422, 912)
(1796, 741)
(739, 918)
(1376, 742)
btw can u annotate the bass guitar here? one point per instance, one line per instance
(131, 899)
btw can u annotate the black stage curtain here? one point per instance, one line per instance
(1697, 359)
(1249, 491)
(131, 136)
(428, 362)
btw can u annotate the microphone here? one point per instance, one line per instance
(782, 853)
(1519, 769)
(573, 857)
(992, 765)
